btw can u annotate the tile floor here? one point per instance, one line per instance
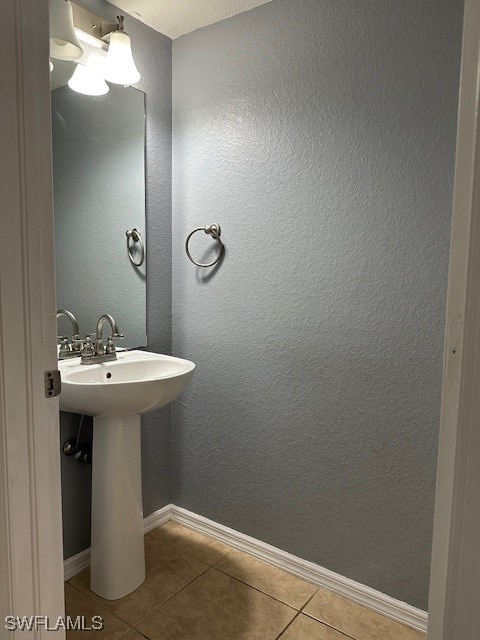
(200, 589)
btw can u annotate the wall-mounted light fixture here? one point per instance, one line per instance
(119, 66)
(106, 49)
(63, 40)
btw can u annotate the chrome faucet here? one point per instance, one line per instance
(100, 353)
(69, 349)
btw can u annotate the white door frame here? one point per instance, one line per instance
(31, 563)
(31, 550)
(455, 579)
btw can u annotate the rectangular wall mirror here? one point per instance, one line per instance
(99, 191)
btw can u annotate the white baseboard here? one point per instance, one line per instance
(76, 564)
(386, 605)
(157, 518)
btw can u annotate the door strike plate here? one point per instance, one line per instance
(53, 383)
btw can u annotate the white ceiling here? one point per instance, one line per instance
(174, 18)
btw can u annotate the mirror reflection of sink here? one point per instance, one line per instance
(137, 382)
(116, 393)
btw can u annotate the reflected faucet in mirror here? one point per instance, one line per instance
(69, 349)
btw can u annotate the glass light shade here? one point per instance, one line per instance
(119, 65)
(87, 81)
(50, 64)
(63, 41)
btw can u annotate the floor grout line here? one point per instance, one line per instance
(299, 613)
(173, 546)
(74, 587)
(325, 624)
(130, 626)
(255, 589)
(233, 578)
(172, 596)
(309, 600)
(289, 625)
(222, 557)
(94, 597)
(139, 633)
(264, 592)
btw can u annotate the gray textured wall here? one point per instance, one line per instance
(153, 57)
(320, 135)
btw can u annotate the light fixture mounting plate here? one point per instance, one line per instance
(91, 23)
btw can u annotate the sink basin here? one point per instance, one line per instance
(137, 382)
(116, 394)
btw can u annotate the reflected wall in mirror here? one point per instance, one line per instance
(99, 192)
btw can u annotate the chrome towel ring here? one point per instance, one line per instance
(214, 231)
(136, 236)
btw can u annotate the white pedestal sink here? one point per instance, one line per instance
(116, 394)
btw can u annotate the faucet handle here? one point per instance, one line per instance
(110, 348)
(87, 349)
(77, 343)
(64, 346)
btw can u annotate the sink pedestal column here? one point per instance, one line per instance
(118, 555)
